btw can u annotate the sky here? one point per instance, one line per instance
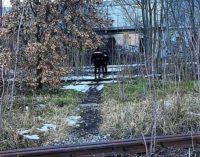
(6, 3)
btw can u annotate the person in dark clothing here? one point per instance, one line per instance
(97, 58)
(105, 63)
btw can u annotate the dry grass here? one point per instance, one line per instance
(29, 116)
(176, 112)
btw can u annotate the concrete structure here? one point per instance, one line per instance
(114, 11)
(126, 32)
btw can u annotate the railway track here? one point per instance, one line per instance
(111, 148)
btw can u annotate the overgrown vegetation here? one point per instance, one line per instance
(125, 91)
(177, 108)
(42, 40)
(30, 112)
(39, 42)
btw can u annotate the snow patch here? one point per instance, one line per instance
(168, 103)
(80, 88)
(94, 83)
(111, 69)
(85, 82)
(117, 66)
(40, 106)
(22, 131)
(194, 114)
(47, 127)
(31, 137)
(91, 105)
(100, 87)
(115, 69)
(108, 82)
(71, 78)
(125, 65)
(10, 80)
(73, 120)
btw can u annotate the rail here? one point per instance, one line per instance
(110, 148)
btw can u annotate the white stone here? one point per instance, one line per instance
(26, 108)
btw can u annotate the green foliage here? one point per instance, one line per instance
(52, 97)
(68, 98)
(175, 87)
(128, 91)
(111, 91)
(188, 85)
(137, 89)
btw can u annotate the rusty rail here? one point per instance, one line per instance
(106, 148)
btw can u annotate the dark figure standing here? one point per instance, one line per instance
(97, 58)
(105, 63)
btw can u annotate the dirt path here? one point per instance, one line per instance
(90, 111)
(87, 129)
